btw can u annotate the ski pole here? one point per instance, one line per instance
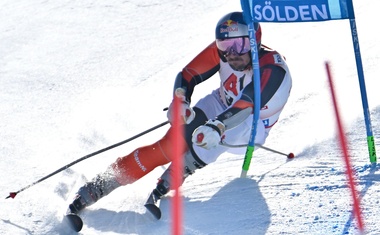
(13, 194)
(289, 155)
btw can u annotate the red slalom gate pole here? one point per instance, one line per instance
(177, 167)
(343, 142)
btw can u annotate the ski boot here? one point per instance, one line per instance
(92, 191)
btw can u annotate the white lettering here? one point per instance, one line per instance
(268, 13)
(278, 13)
(290, 13)
(258, 15)
(253, 45)
(137, 159)
(229, 29)
(322, 13)
(305, 13)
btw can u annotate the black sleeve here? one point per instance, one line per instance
(188, 86)
(271, 79)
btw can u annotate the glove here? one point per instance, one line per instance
(208, 136)
(186, 112)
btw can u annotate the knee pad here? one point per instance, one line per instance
(191, 164)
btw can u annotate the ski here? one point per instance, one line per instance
(153, 206)
(75, 221)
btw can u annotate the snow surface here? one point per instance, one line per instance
(78, 76)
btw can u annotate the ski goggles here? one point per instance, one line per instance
(236, 46)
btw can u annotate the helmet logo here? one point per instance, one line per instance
(229, 26)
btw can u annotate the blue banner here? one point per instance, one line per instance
(287, 11)
(298, 10)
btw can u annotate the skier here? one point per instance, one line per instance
(226, 113)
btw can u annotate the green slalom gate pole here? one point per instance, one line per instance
(363, 90)
(256, 85)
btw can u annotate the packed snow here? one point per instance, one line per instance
(78, 76)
